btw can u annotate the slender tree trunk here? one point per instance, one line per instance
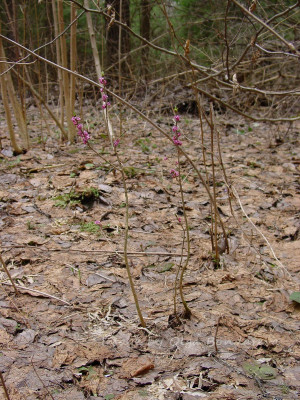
(40, 100)
(19, 111)
(93, 41)
(73, 57)
(4, 94)
(145, 9)
(112, 35)
(65, 75)
(59, 72)
(7, 92)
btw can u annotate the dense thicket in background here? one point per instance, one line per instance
(240, 54)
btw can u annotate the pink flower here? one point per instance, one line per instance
(85, 136)
(175, 129)
(75, 120)
(97, 222)
(174, 173)
(105, 104)
(102, 81)
(176, 141)
(116, 142)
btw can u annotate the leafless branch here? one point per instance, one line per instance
(268, 27)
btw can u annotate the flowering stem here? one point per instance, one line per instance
(177, 274)
(214, 215)
(187, 312)
(115, 167)
(86, 137)
(136, 301)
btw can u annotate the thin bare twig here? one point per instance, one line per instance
(13, 64)
(40, 379)
(266, 26)
(133, 253)
(38, 292)
(139, 112)
(8, 274)
(258, 119)
(4, 386)
(294, 92)
(216, 333)
(260, 232)
(275, 52)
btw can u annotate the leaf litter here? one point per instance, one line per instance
(72, 332)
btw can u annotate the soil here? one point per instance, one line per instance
(73, 332)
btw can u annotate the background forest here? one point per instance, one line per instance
(153, 50)
(149, 199)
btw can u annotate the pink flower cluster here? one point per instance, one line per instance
(116, 142)
(105, 102)
(176, 132)
(82, 133)
(174, 173)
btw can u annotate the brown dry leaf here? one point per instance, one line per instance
(293, 376)
(77, 356)
(92, 379)
(5, 338)
(137, 366)
(136, 394)
(24, 338)
(61, 182)
(191, 348)
(70, 394)
(101, 323)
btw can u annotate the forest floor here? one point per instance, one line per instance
(85, 342)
